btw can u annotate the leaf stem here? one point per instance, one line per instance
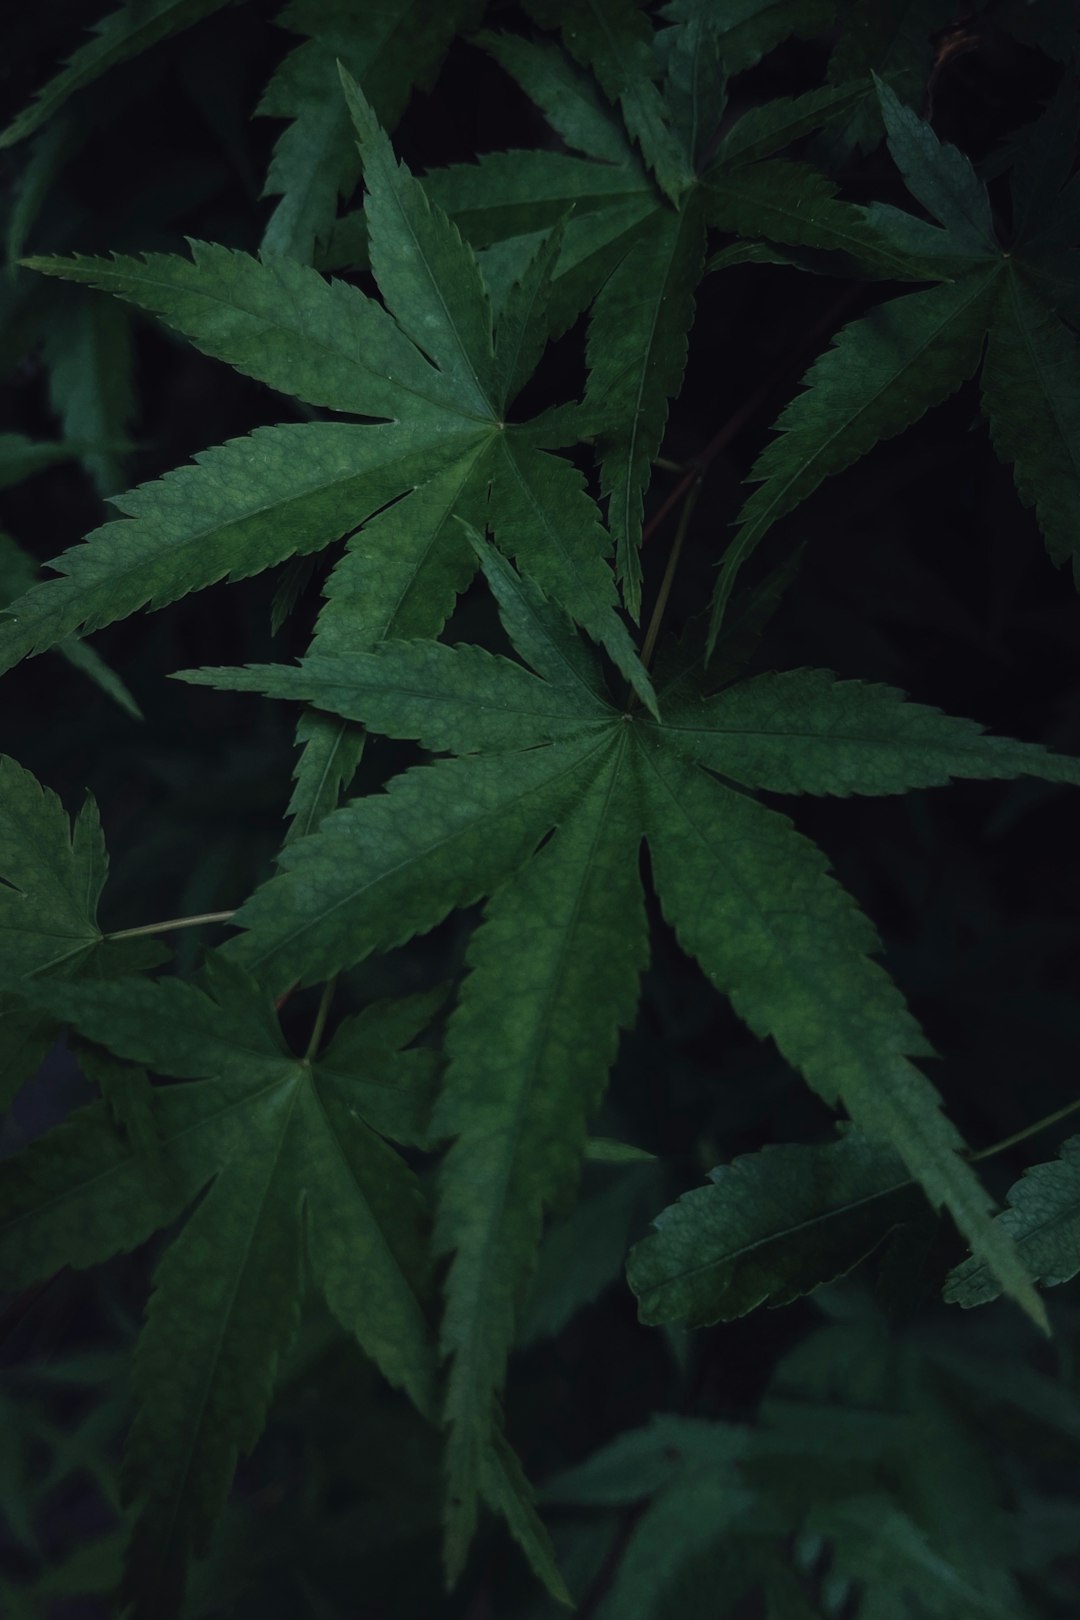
(172, 922)
(320, 1020)
(1028, 1130)
(669, 572)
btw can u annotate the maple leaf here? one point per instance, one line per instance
(554, 965)
(281, 1166)
(889, 367)
(436, 378)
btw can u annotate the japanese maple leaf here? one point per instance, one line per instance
(543, 810)
(282, 1166)
(433, 378)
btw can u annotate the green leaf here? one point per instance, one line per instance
(241, 508)
(585, 1253)
(941, 177)
(772, 1226)
(614, 38)
(426, 273)
(277, 321)
(542, 516)
(882, 373)
(283, 1149)
(834, 1014)
(529, 1047)
(390, 48)
(766, 129)
(507, 1492)
(136, 26)
(21, 457)
(566, 96)
(803, 731)
(895, 39)
(650, 1461)
(750, 898)
(382, 869)
(1043, 1219)
(752, 28)
(522, 331)
(1031, 394)
(90, 357)
(53, 878)
(791, 202)
(694, 83)
(450, 699)
(637, 355)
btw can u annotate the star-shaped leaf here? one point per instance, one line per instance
(283, 1179)
(434, 375)
(543, 810)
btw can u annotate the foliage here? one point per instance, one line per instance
(407, 1149)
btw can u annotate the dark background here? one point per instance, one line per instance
(918, 567)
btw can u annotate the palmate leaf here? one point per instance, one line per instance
(746, 894)
(124, 33)
(627, 248)
(389, 48)
(773, 1226)
(287, 1167)
(424, 365)
(888, 368)
(1043, 1219)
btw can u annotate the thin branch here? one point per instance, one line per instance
(1028, 1130)
(669, 573)
(320, 1020)
(173, 922)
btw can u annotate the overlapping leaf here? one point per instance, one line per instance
(388, 48)
(632, 247)
(426, 366)
(772, 1226)
(293, 1182)
(1043, 1219)
(554, 965)
(122, 34)
(889, 367)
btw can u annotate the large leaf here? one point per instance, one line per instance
(747, 895)
(425, 363)
(277, 1146)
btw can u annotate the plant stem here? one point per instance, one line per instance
(172, 922)
(320, 1019)
(1028, 1130)
(669, 572)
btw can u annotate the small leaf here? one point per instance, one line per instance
(773, 1226)
(1043, 1219)
(941, 177)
